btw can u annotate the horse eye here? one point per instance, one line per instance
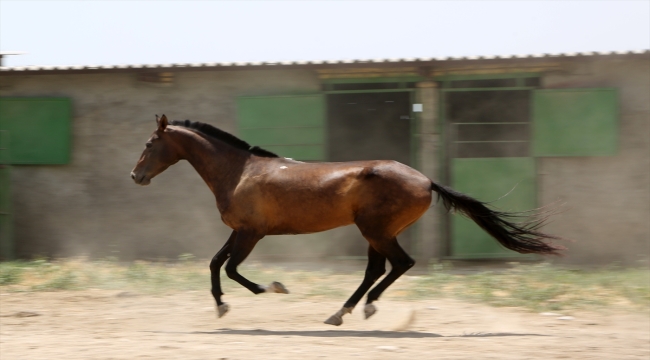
(148, 144)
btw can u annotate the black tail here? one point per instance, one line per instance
(522, 237)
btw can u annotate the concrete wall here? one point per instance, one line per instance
(91, 206)
(607, 198)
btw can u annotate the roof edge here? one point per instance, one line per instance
(80, 69)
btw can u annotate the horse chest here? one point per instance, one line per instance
(238, 215)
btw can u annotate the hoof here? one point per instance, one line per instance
(337, 319)
(222, 309)
(369, 310)
(334, 320)
(277, 287)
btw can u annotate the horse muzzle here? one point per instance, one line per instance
(140, 180)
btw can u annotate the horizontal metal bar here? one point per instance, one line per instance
(367, 91)
(495, 76)
(495, 141)
(490, 89)
(492, 123)
(283, 127)
(289, 145)
(367, 80)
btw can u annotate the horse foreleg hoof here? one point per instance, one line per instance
(335, 320)
(222, 309)
(369, 310)
(277, 287)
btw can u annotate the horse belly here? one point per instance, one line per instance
(309, 214)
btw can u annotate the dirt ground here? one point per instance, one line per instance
(109, 324)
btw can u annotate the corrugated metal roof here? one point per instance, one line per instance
(423, 61)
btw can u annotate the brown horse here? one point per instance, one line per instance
(259, 193)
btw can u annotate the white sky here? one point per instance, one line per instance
(133, 32)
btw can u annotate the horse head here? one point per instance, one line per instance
(159, 154)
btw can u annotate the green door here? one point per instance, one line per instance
(6, 239)
(506, 183)
(489, 147)
(33, 131)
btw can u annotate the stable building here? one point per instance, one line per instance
(566, 131)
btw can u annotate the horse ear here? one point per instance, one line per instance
(162, 122)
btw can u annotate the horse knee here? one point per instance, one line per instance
(215, 265)
(410, 264)
(231, 272)
(375, 273)
(405, 265)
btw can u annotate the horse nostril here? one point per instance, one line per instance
(133, 175)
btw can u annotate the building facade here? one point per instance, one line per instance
(567, 132)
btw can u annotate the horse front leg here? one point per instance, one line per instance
(215, 276)
(242, 246)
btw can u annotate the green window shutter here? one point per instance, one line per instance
(39, 129)
(291, 126)
(489, 180)
(575, 122)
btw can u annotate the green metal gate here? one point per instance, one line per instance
(33, 131)
(508, 182)
(492, 146)
(488, 146)
(7, 250)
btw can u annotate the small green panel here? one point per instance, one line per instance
(488, 180)
(575, 122)
(283, 136)
(281, 111)
(299, 152)
(291, 126)
(39, 129)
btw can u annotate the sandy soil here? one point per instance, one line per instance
(102, 324)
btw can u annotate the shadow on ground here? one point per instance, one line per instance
(341, 333)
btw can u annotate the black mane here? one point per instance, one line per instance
(218, 134)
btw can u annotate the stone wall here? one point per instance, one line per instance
(607, 199)
(91, 206)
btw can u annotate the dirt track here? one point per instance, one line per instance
(102, 324)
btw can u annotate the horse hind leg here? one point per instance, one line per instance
(375, 269)
(400, 262)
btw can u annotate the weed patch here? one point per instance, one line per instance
(539, 287)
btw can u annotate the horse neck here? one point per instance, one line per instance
(219, 164)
